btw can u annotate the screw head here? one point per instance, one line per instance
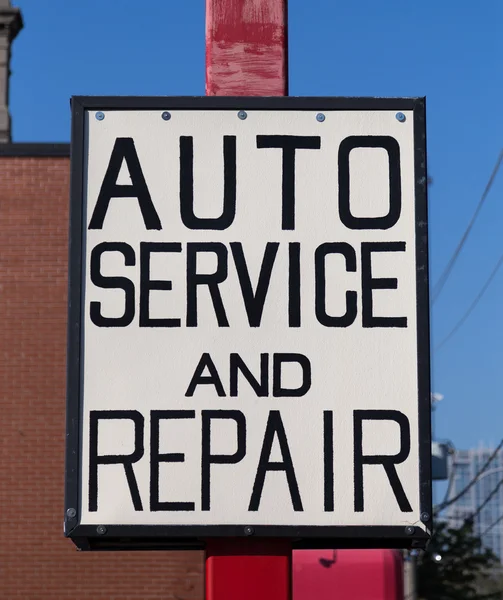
(409, 530)
(249, 530)
(400, 117)
(166, 116)
(425, 517)
(71, 513)
(242, 115)
(100, 116)
(101, 530)
(320, 117)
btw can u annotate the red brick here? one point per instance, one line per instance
(36, 561)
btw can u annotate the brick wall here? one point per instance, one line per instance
(36, 561)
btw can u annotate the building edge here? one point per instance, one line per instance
(35, 150)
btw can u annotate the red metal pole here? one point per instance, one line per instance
(246, 55)
(248, 569)
(246, 48)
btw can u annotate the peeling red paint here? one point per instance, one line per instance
(246, 48)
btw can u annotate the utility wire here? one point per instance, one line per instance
(478, 298)
(484, 467)
(439, 286)
(486, 502)
(491, 526)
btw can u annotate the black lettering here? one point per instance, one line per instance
(369, 284)
(147, 284)
(237, 364)
(156, 458)
(124, 150)
(108, 283)
(212, 379)
(320, 284)
(211, 280)
(254, 301)
(208, 459)
(328, 459)
(289, 143)
(114, 459)
(387, 461)
(275, 427)
(278, 390)
(187, 186)
(294, 284)
(395, 187)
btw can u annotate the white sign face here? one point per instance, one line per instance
(250, 309)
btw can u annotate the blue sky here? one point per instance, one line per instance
(449, 52)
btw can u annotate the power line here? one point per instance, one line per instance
(439, 286)
(486, 501)
(478, 298)
(491, 526)
(484, 467)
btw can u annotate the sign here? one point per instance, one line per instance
(440, 460)
(248, 328)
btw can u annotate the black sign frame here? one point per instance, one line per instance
(178, 537)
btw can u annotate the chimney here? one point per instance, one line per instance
(11, 24)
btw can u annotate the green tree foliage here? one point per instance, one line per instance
(464, 565)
